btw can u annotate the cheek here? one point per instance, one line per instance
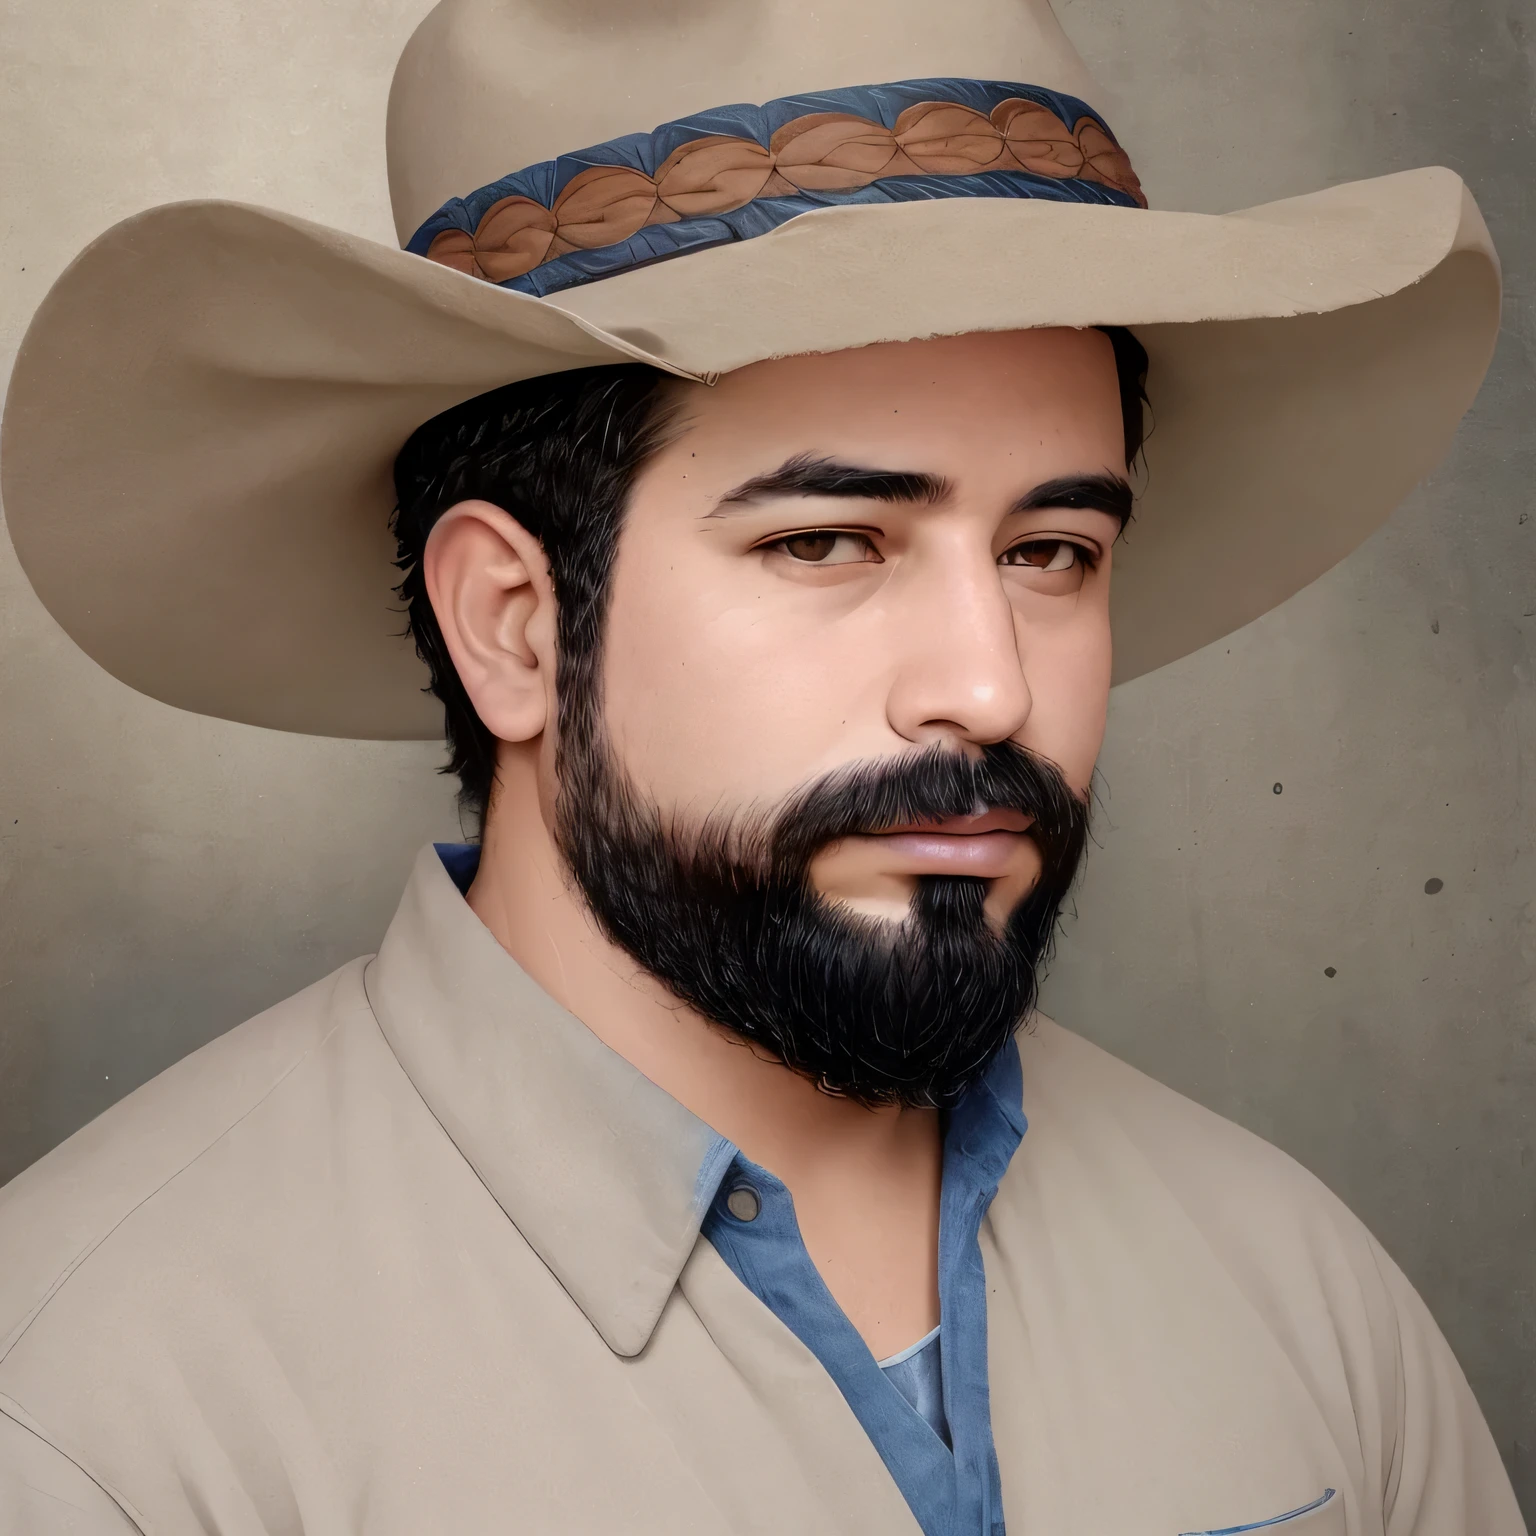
(1068, 673)
(712, 695)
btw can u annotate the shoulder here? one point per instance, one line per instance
(1211, 1162)
(56, 1214)
(1207, 1223)
(1234, 1269)
(1224, 1197)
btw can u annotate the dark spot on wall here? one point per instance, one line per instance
(1433, 887)
(1329, 972)
(1277, 789)
(1434, 627)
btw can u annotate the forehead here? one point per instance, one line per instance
(1051, 396)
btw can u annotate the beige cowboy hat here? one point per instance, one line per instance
(201, 425)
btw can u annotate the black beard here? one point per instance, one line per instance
(884, 1013)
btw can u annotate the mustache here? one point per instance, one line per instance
(865, 799)
(724, 912)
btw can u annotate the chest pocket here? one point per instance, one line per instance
(1322, 1516)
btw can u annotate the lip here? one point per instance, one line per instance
(987, 845)
(990, 820)
(986, 855)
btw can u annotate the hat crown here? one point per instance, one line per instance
(486, 87)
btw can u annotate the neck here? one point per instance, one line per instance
(865, 1182)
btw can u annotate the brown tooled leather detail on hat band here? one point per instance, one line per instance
(812, 159)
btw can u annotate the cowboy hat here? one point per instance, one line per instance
(201, 423)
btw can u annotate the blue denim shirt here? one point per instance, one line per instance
(953, 1489)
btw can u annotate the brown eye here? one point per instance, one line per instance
(827, 546)
(812, 547)
(1046, 555)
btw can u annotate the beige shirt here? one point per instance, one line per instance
(414, 1252)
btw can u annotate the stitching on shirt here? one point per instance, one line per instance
(24, 1420)
(1259, 1525)
(90, 1248)
(712, 1171)
(1394, 1476)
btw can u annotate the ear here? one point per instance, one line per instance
(489, 585)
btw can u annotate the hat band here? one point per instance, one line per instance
(740, 171)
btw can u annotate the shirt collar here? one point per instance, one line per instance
(604, 1174)
(594, 1164)
(981, 1134)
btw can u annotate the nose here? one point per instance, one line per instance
(959, 680)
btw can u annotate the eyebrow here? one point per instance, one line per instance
(1081, 493)
(805, 475)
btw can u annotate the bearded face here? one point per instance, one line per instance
(825, 738)
(725, 912)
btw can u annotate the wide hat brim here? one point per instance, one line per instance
(203, 416)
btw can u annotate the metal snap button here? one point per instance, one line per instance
(743, 1203)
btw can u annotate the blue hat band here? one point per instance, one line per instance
(740, 171)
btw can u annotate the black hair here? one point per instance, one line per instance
(560, 454)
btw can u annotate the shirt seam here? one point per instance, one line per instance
(1392, 1481)
(903, 1355)
(713, 1171)
(19, 1416)
(69, 1270)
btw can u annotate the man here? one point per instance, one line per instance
(759, 485)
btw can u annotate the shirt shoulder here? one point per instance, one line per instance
(55, 1215)
(1201, 1201)
(1194, 1203)
(1218, 1170)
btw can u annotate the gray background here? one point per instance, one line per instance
(164, 876)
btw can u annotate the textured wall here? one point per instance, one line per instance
(162, 877)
